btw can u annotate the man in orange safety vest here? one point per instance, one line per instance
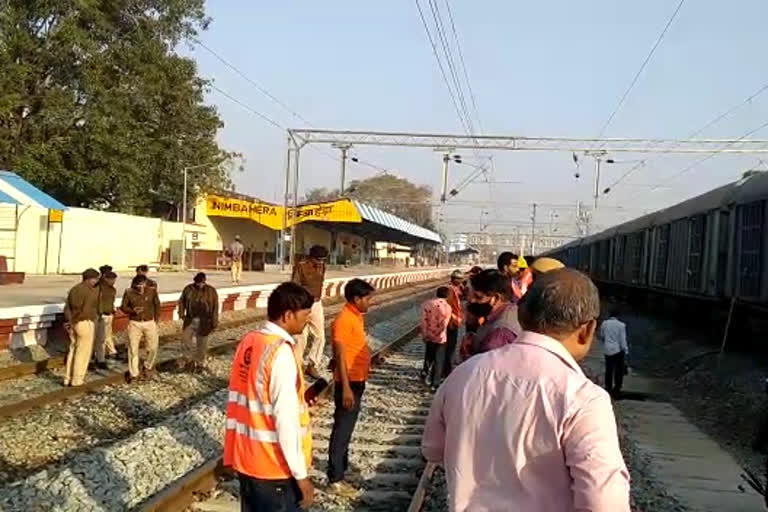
(268, 440)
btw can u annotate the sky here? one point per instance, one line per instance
(555, 68)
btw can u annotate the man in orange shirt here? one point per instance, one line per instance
(353, 361)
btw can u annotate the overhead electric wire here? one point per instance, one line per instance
(251, 81)
(440, 29)
(440, 65)
(464, 67)
(708, 157)
(640, 71)
(247, 107)
(696, 132)
(275, 99)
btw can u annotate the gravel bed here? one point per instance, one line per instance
(436, 498)
(38, 437)
(127, 472)
(124, 474)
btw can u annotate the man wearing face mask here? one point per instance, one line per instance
(527, 411)
(486, 337)
(490, 299)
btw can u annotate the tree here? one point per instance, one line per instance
(96, 107)
(388, 192)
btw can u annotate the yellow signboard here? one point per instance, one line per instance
(271, 215)
(55, 216)
(267, 214)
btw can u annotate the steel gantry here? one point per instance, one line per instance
(520, 143)
(300, 137)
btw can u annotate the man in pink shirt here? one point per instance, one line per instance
(436, 314)
(521, 427)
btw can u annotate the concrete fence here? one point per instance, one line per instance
(25, 326)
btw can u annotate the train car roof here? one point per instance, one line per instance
(750, 188)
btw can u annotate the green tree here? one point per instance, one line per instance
(388, 192)
(96, 107)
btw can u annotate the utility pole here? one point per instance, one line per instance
(292, 256)
(533, 230)
(285, 205)
(344, 148)
(444, 178)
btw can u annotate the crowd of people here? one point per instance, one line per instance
(514, 421)
(89, 312)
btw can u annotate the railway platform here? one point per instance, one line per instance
(695, 470)
(52, 289)
(36, 315)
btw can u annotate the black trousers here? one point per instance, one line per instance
(450, 350)
(614, 373)
(434, 362)
(258, 495)
(343, 425)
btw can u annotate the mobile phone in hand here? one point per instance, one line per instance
(313, 391)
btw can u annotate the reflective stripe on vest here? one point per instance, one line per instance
(251, 443)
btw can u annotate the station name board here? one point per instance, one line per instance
(272, 215)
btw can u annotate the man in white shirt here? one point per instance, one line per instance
(613, 338)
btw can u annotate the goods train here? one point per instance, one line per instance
(713, 247)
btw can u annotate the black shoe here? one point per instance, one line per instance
(101, 366)
(128, 378)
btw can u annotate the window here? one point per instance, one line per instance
(751, 226)
(696, 252)
(662, 254)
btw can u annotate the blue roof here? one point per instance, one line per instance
(372, 214)
(24, 188)
(5, 198)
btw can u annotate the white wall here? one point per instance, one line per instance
(93, 238)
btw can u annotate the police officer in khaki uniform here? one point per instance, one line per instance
(142, 305)
(80, 313)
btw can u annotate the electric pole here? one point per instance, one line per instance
(344, 148)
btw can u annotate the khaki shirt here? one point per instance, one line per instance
(148, 301)
(310, 274)
(107, 296)
(82, 304)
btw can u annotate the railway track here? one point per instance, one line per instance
(228, 334)
(33, 439)
(385, 449)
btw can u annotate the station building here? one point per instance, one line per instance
(39, 235)
(354, 233)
